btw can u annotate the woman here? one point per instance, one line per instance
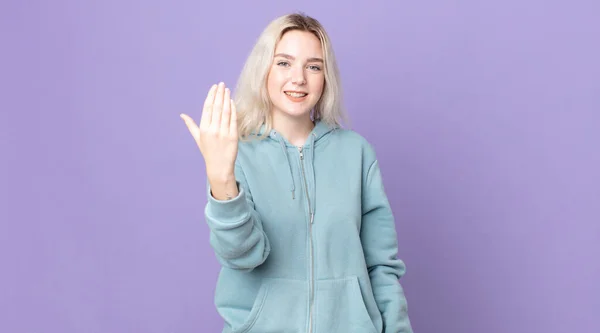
(296, 208)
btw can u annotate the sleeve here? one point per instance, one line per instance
(236, 232)
(380, 246)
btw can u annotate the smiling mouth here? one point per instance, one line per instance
(295, 94)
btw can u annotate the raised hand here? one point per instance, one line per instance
(217, 138)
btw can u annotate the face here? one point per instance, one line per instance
(296, 78)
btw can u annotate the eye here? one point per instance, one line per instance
(283, 63)
(314, 68)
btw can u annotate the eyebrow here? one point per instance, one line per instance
(287, 56)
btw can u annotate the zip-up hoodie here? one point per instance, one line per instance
(309, 243)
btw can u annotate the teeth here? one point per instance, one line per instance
(293, 94)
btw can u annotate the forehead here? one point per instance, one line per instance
(300, 44)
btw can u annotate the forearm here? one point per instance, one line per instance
(380, 245)
(236, 232)
(390, 297)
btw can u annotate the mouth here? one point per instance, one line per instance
(296, 94)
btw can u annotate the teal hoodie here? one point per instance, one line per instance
(309, 244)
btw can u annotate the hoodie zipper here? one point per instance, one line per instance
(312, 287)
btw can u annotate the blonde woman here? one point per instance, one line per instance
(296, 207)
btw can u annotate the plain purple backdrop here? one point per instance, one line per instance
(485, 116)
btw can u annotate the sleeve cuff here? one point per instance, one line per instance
(228, 211)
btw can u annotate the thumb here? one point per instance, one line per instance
(191, 125)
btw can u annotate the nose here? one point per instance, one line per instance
(297, 74)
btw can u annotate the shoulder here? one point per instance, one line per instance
(358, 153)
(351, 139)
(253, 149)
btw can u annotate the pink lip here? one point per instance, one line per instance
(293, 91)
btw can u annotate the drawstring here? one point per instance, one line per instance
(312, 161)
(284, 150)
(312, 147)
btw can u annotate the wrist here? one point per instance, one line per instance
(221, 179)
(223, 187)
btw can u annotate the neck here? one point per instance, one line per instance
(294, 130)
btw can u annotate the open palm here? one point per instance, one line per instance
(217, 134)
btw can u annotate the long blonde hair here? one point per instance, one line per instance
(251, 96)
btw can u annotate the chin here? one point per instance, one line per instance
(295, 111)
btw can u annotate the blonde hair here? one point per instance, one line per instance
(251, 96)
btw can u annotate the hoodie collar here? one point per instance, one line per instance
(320, 131)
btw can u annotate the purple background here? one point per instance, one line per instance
(485, 116)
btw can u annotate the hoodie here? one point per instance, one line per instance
(309, 244)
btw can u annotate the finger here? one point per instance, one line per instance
(233, 122)
(191, 125)
(226, 112)
(207, 110)
(217, 107)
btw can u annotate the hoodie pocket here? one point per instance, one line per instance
(340, 307)
(280, 307)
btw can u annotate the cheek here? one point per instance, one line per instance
(275, 80)
(318, 84)
(271, 82)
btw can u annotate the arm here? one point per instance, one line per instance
(236, 232)
(380, 245)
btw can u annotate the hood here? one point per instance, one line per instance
(320, 131)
